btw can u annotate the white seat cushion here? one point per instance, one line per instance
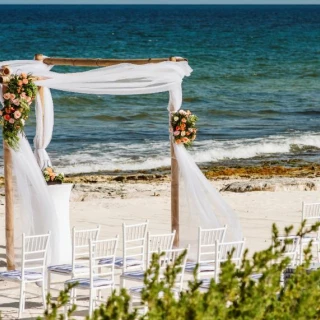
(134, 275)
(15, 275)
(203, 267)
(130, 262)
(85, 282)
(67, 268)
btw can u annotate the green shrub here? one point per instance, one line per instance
(236, 296)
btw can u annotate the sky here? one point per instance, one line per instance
(160, 2)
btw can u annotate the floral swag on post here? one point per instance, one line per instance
(51, 176)
(20, 93)
(183, 127)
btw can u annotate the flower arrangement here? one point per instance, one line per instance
(183, 127)
(20, 93)
(51, 176)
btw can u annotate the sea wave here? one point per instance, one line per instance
(152, 155)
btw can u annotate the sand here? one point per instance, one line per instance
(110, 204)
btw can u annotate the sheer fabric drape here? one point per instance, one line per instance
(44, 127)
(200, 203)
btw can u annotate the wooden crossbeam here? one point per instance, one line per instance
(82, 62)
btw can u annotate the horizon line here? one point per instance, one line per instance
(160, 4)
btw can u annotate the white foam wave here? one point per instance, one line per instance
(150, 155)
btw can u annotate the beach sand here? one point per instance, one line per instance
(112, 203)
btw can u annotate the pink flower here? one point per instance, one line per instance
(176, 133)
(12, 96)
(28, 99)
(184, 120)
(182, 112)
(23, 95)
(16, 102)
(25, 81)
(11, 120)
(17, 114)
(1, 113)
(7, 95)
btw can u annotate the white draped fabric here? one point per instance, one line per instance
(37, 214)
(45, 120)
(205, 206)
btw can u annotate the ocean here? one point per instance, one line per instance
(255, 84)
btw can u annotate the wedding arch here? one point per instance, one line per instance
(202, 204)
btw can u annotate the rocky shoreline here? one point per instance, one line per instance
(236, 179)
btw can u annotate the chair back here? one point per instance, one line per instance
(34, 253)
(103, 250)
(80, 243)
(168, 259)
(292, 248)
(158, 243)
(134, 243)
(207, 243)
(310, 213)
(223, 252)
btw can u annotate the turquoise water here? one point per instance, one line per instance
(255, 84)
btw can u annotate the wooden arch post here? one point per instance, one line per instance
(8, 189)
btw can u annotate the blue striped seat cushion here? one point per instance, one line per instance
(85, 282)
(17, 275)
(307, 239)
(134, 275)
(137, 291)
(256, 276)
(130, 262)
(67, 268)
(205, 283)
(203, 267)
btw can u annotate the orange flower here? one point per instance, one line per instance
(183, 127)
(20, 83)
(178, 141)
(49, 170)
(25, 81)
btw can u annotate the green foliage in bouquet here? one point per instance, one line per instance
(236, 296)
(51, 176)
(183, 127)
(20, 93)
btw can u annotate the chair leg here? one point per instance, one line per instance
(22, 298)
(43, 289)
(122, 282)
(48, 282)
(91, 298)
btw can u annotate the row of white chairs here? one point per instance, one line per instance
(138, 245)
